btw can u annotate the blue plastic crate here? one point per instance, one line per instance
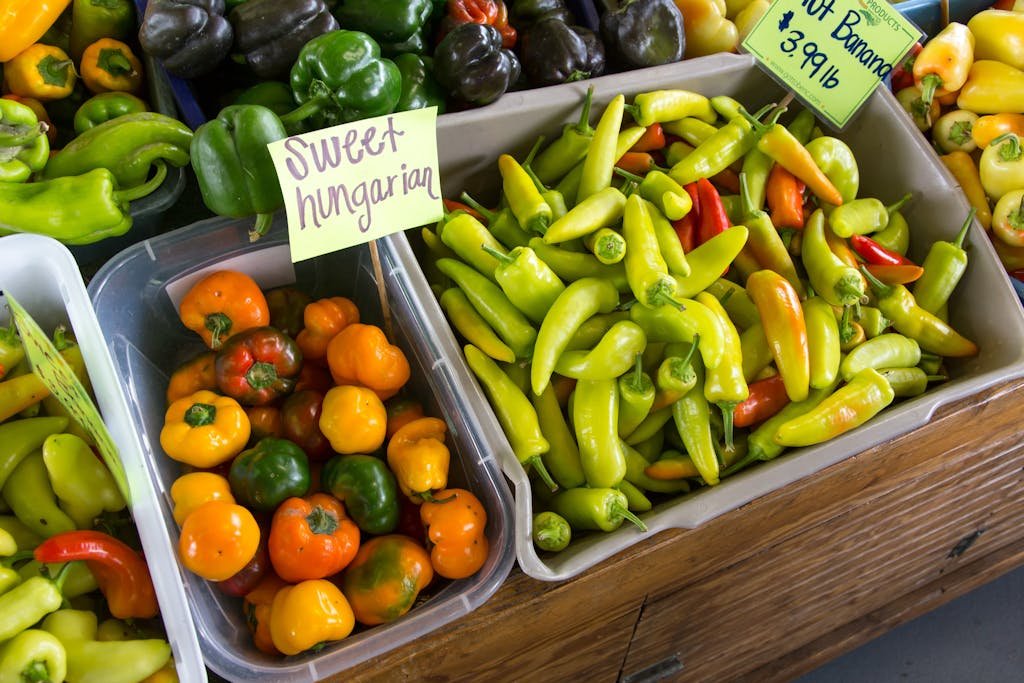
(927, 14)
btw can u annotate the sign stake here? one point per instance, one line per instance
(382, 291)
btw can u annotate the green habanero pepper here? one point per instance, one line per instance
(571, 266)
(472, 326)
(609, 358)
(233, 166)
(884, 351)
(367, 488)
(595, 419)
(558, 158)
(929, 331)
(563, 457)
(89, 660)
(27, 603)
(944, 265)
(128, 146)
(527, 281)
(419, 87)
(24, 147)
(835, 159)
(466, 236)
(550, 532)
(340, 77)
(595, 509)
(273, 470)
(33, 655)
(580, 300)
(850, 406)
(514, 411)
(863, 216)
(833, 280)
(909, 382)
(82, 483)
(30, 496)
(636, 397)
(493, 306)
(104, 107)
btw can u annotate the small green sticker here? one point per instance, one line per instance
(831, 53)
(60, 379)
(353, 183)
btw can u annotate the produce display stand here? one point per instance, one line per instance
(771, 590)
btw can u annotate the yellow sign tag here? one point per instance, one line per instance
(831, 53)
(60, 379)
(353, 183)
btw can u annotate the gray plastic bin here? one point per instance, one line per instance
(133, 294)
(893, 158)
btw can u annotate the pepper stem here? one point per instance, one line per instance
(36, 672)
(60, 338)
(261, 375)
(308, 108)
(727, 408)
(200, 415)
(583, 125)
(533, 152)
(261, 226)
(637, 380)
(62, 575)
(321, 521)
(219, 324)
(896, 206)
(936, 378)
(145, 188)
(746, 203)
(627, 515)
(428, 497)
(542, 472)
(876, 284)
(478, 207)
(929, 84)
(504, 258)
(17, 557)
(688, 359)
(962, 235)
(626, 174)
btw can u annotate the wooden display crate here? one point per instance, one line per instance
(773, 589)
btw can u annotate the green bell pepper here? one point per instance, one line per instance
(105, 107)
(95, 19)
(79, 209)
(109, 661)
(416, 44)
(235, 172)
(28, 493)
(391, 21)
(127, 146)
(368, 489)
(24, 149)
(419, 88)
(340, 77)
(33, 655)
(274, 95)
(263, 476)
(82, 483)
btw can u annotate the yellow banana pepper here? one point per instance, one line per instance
(44, 72)
(23, 22)
(941, 67)
(963, 168)
(993, 88)
(999, 35)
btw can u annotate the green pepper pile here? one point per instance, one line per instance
(641, 330)
(64, 559)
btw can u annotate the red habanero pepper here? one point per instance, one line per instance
(450, 206)
(785, 196)
(121, 573)
(652, 139)
(875, 254)
(638, 163)
(492, 12)
(903, 74)
(767, 397)
(713, 219)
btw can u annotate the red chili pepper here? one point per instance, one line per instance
(895, 275)
(767, 397)
(874, 253)
(636, 162)
(121, 573)
(652, 139)
(493, 12)
(727, 180)
(903, 74)
(713, 220)
(785, 196)
(686, 231)
(451, 205)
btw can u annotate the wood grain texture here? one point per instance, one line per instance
(770, 590)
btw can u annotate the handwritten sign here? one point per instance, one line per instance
(353, 183)
(60, 379)
(831, 53)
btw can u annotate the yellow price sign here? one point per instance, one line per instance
(60, 379)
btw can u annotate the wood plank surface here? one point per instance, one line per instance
(773, 589)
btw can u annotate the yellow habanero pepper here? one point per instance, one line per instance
(44, 72)
(109, 65)
(993, 88)
(943, 63)
(204, 429)
(418, 457)
(999, 35)
(307, 614)
(23, 22)
(707, 29)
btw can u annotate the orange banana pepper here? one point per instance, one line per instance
(783, 319)
(988, 128)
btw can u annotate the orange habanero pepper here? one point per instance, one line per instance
(221, 304)
(311, 538)
(307, 614)
(217, 539)
(256, 608)
(456, 531)
(323, 319)
(361, 354)
(419, 458)
(191, 376)
(353, 419)
(191, 490)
